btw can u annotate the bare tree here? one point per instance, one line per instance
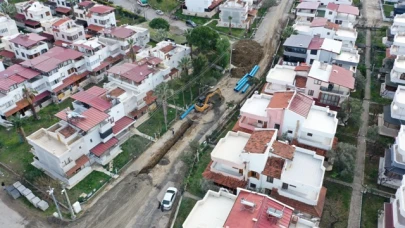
(334, 213)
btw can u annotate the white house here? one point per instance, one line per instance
(329, 84)
(86, 136)
(201, 8)
(322, 49)
(343, 15)
(31, 14)
(326, 2)
(61, 7)
(28, 46)
(394, 212)
(306, 11)
(285, 77)
(65, 29)
(224, 209)
(398, 46)
(8, 26)
(241, 12)
(96, 16)
(398, 70)
(290, 174)
(398, 26)
(393, 115)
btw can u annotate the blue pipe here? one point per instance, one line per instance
(245, 88)
(187, 112)
(241, 82)
(240, 85)
(254, 70)
(246, 75)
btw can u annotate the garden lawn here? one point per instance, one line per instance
(134, 146)
(337, 203)
(235, 32)
(156, 123)
(347, 134)
(387, 10)
(164, 5)
(90, 184)
(197, 20)
(186, 206)
(369, 210)
(371, 175)
(195, 179)
(375, 92)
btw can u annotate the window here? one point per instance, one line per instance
(48, 13)
(310, 92)
(42, 16)
(289, 132)
(311, 61)
(63, 36)
(285, 186)
(91, 140)
(328, 33)
(16, 45)
(80, 33)
(253, 174)
(277, 126)
(314, 52)
(329, 99)
(270, 179)
(95, 20)
(309, 134)
(4, 30)
(330, 12)
(16, 52)
(31, 15)
(317, 82)
(23, 55)
(252, 185)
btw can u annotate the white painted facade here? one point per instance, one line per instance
(8, 26)
(326, 2)
(197, 6)
(397, 210)
(343, 19)
(238, 11)
(105, 20)
(280, 78)
(68, 31)
(35, 11)
(398, 104)
(30, 52)
(398, 70)
(398, 46)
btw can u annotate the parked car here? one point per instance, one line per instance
(159, 12)
(191, 23)
(169, 198)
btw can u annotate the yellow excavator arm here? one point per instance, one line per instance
(205, 105)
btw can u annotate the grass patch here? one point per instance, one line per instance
(164, 5)
(134, 146)
(195, 179)
(156, 123)
(235, 32)
(125, 20)
(387, 10)
(88, 185)
(197, 20)
(369, 210)
(186, 206)
(375, 92)
(371, 175)
(347, 134)
(337, 203)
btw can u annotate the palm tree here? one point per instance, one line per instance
(29, 96)
(18, 123)
(72, 9)
(163, 92)
(8, 9)
(287, 32)
(230, 25)
(185, 64)
(189, 38)
(131, 43)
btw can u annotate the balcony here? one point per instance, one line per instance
(306, 13)
(325, 144)
(108, 156)
(332, 90)
(251, 124)
(219, 168)
(310, 198)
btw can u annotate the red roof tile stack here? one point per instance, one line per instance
(283, 150)
(274, 167)
(258, 140)
(301, 104)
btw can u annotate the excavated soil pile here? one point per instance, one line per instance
(247, 53)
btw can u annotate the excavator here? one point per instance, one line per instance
(204, 102)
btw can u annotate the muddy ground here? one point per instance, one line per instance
(246, 54)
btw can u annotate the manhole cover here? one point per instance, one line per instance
(164, 161)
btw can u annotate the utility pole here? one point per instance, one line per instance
(50, 191)
(73, 216)
(230, 60)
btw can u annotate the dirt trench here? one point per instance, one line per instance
(246, 54)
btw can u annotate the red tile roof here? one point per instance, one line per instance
(319, 22)
(133, 72)
(17, 78)
(101, 148)
(86, 3)
(283, 150)
(314, 210)
(388, 215)
(31, 22)
(273, 167)
(120, 32)
(318, 151)
(214, 4)
(27, 40)
(223, 180)
(60, 42)
(70, 80)
(316, 43)
(353, 10)
(19, 17)
(341, 76)
(17, 69)
(95, 28)
(332, 6)
(258, 140)
(102, 65)
(61, 21)
(19, 105)
(237, 128)
(101, 9)
(96, 91)
(122, 124)
(301, 104)
(79, 163)
(92, 100)
(7, 54)
(308, 5)
(300, 81)
(6, 83)
(149, 98)
(42, 96)
(92, 118)
(240, 218)
(281, 99)
(62, 10)
(167, 48)
(302, 67)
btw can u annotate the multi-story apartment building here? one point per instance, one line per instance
(240, 14)
(394, 115)
(306, 11)
(296, 47)
(398, 46)
(343, 15)
(322, 49)
(7, 26)
(258, 161)
(86, 136)
(27, 46)
(329, 84)
(61, 7)
(97, 17)
(31, 14)
(65, 29)
(286, 77)
(326, 2)
(398, 26)
(201, 8)
(393, 214)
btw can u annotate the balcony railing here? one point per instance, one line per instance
(326, 89)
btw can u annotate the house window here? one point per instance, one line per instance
(289, 132)
(23, 55)
(330, 12)
(80, 33)
(317, 82)
(63, 36)
(16, 52)
(285, 186)
(314, 52)
(329, 99)
(252, 185)
(42, 16)
(310, 92)
(254, 175)
(311, 61)
(91, 140)
(277, 126)
(328, 33)
(31, 15)
(270, 179)
(309, 134)
(95, 20)
(48, 13)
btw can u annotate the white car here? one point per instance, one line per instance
(169, 198)
(159, 12)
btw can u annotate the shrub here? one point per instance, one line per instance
(159, 23)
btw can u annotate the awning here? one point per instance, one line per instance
(95, 28)
(103, 65)
(101, 148)
(49, 37)
(79, 163)
(19, 17)
(7, 54)
(31, 22)
(122, 124)
(41, 96)
(20, 105)
(70, 80)
(62, 10)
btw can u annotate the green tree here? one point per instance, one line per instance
(375, 143)
(163, 92)
(268, 3)
(185, 64)
(287, 32)
(199, 64)
(188, 36)
(160, 35)
(230, 25)
(131, 43)
(350, 112)
(18, 124)
(223, 46)
(8, 9)
(342, 158)
(204, 38)
(159, 23)
(29, 96)
(360, 82)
